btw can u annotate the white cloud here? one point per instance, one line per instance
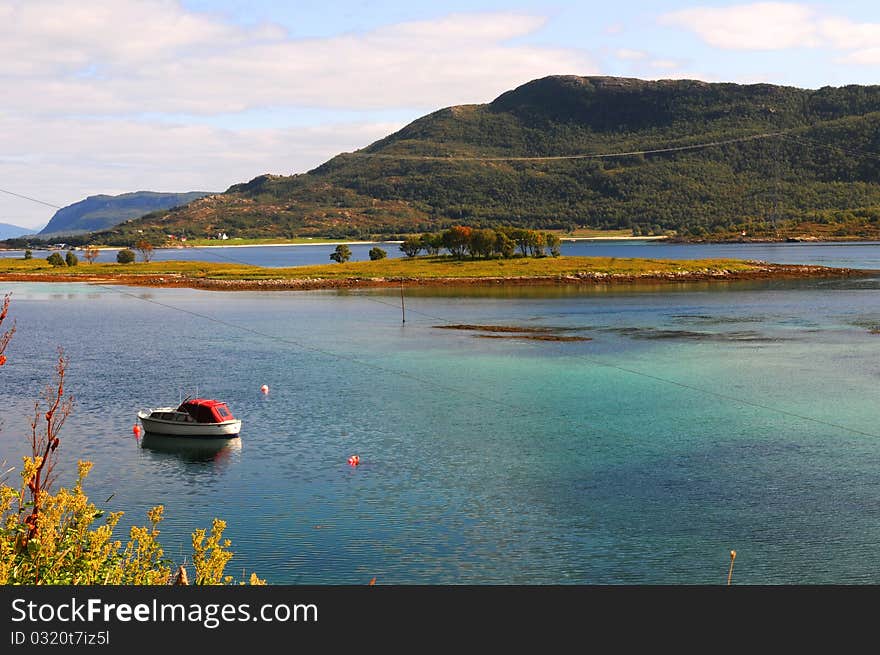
(64, 160)
(120, 56)
(758, 26)
(779, 26)
(630, 55)
(79, 78)
(844, 34)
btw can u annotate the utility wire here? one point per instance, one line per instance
(489, 399)
(517, 411)
(42, 202)
(299, 344)
(630, 153)
(676, 383)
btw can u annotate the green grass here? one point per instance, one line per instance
(419, 267)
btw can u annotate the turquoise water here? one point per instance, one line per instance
(696, 420)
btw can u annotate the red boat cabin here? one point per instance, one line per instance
(206, 411)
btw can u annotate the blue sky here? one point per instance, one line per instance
(109, 96)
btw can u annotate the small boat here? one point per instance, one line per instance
(194, 417)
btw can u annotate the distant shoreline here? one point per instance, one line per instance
(684, 241)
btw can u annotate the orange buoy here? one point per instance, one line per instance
(354, 460)
(136, 429)
(265, 388)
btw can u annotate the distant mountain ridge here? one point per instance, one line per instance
(9, 231)
(777, 156)
(103, 211)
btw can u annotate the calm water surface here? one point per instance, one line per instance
(855, 255)
(697, 420)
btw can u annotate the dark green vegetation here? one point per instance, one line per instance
(56, 259)
(791, 162)
(342, 254)
(101, 212)
(461, 240)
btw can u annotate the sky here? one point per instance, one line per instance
(113, 96)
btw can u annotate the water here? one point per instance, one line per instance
(697, 420)
(856, 255)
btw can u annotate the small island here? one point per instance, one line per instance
(437, 270)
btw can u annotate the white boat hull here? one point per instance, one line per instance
(226, 429)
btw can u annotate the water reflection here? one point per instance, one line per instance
(192, 450)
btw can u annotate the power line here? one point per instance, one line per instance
(630, 153)
(518, 411)
(679, 384)
(42, 202)
(472, 394)
(808, 140)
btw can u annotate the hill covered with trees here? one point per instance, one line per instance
(561, 152)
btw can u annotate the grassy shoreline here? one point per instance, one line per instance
(418, 271)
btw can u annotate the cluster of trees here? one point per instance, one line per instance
(70, 259)
(461, 241)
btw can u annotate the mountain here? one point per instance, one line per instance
(8, 231)
(102, 211)
(668, 155)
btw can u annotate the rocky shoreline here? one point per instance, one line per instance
(762, 271)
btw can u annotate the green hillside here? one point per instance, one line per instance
(784, 160)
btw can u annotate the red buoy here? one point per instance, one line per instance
(265, 388)
(354, 460)
(136, 429)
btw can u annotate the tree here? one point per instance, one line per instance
(125, 256)
(482, 243)
(522, 238)
(456, 240)
(431, 242)
(504, 245)
(91, 254)
(536, 243)
(56, 259)
(377, 253)
(71, 259)
(411, 246)
(145, 248)
(28, 254)
(341, 254)
(553, 243)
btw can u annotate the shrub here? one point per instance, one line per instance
(377, 253)
(341, 254)
(28, 254)
(125, 256)
(71, 259)
(57, 537)
(56, 259)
